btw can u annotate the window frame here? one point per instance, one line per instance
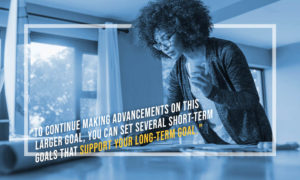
(81, 47)
(3, 111)
(4, 122)
(2, 44)
(263, 88)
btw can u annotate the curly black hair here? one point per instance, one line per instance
(188, 18)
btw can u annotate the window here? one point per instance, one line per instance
(257, 75)
(51, 86)
(63, 79)
(4, 123)
(2, 37)
(89, 86)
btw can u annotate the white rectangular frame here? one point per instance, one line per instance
(259, 26)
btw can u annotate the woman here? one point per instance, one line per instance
(212, 70)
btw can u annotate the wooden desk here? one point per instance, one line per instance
(286, 165)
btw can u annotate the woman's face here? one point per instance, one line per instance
(168, 43)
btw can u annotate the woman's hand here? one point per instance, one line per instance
(202, 80)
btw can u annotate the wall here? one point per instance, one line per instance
(141, 75)
(288, 88)
(257, 57)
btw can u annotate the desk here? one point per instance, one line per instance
(286, 165)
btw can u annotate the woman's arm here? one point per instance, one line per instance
(244, 95)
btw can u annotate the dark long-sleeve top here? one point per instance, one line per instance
(234, 93)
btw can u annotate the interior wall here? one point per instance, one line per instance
(141, 75)
(257, 57)
(288, 88)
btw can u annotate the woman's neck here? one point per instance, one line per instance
(195, 53)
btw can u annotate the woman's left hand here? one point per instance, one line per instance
(202, 80)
